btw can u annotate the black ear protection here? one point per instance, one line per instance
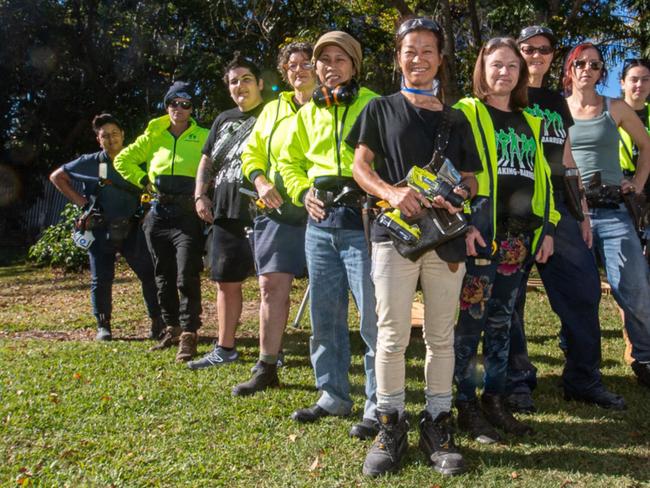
(342, 95)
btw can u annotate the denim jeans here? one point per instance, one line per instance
(572, 284)
(175, 239)
(627, 273)
(102, 254)
(338, 261)
(487, 299)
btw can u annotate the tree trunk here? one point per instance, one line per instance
(451, 85)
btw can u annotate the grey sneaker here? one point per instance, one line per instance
(103, 333)
(217, 357)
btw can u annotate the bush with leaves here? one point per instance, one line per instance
(56, 248)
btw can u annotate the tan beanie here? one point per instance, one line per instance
(343, 40)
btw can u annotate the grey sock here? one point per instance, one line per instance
(437, 403)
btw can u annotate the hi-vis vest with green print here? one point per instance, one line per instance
(626, 146)
(543, 204)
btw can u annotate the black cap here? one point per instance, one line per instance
(179, 89)
(536, 30)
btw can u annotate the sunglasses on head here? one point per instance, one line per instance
(535, 30)
(417, 24)
(295, 67)
(583, 64)
(180, 103)
(530, 50)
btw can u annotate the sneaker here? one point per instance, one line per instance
(157, 328)
(386, 453)
(642, 372)
(171, 336)
(472, 421)
(366, 429)
(599, 396)
(187, 346)
(437, 443)
(103, 333)
(521, 403)
(217, 357)
(265, 376)
(498, 414)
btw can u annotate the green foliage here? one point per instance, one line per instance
(55, 247)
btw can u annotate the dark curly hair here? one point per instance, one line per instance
(286, 52)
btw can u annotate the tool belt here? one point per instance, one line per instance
(338, 191)
(604, 196)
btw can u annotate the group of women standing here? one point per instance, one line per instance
(314, 152)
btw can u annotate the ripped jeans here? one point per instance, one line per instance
(486, 303)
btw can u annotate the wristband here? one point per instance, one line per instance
(198, 197)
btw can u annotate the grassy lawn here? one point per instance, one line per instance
(77, 413)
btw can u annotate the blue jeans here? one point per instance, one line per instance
(102, 270)
(338, 261)
(486, 303)
(627, 273)
(572, 284)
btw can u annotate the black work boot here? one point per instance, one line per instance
(103, 328)
(642, 372)
(157, 328)
(498, 414)
(472, 421)
(437, 443)
(390, 445)
(265, 376)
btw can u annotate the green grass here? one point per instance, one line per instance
(77, 413)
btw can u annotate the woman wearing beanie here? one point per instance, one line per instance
(171, 149)
(316, 166)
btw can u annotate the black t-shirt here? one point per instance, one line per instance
(402, 135)
(119, 199)
(224, 145)
(516, 150)
(553, 109)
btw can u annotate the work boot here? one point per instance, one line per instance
(599, 396)
(472, 421)
(642, 372)
(187, 346)
(498, 414)
(280, 363)
(521, 403)
(265, 376)
(437, 443)
(366, 429)
(157, 328)
(386, 453)
(169, 338)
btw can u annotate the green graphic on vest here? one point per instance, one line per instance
(516, 153)
(553, 124)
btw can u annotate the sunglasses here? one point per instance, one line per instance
(182, 104)
(530, 50)
(417, 24)
(295, 67)
(535, 30)
(582, 64)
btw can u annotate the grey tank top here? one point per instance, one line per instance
(594, 144)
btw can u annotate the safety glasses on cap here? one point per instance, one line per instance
(418, 23)
(536, 30)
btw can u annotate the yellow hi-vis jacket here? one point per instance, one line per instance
(543, 204)
(626, 146)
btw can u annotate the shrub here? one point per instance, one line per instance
(55, 247)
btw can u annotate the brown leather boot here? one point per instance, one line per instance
(169, 338)
(187, 346)
(497, 413)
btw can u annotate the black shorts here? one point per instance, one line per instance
(279, 247)
(231, 257)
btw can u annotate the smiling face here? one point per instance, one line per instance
(586, 76)
(636, 84)
(419, 59)
(538, 64)
(501, 71)
(244, 89)
(334, 67)
(110, 138)
(300, 77)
